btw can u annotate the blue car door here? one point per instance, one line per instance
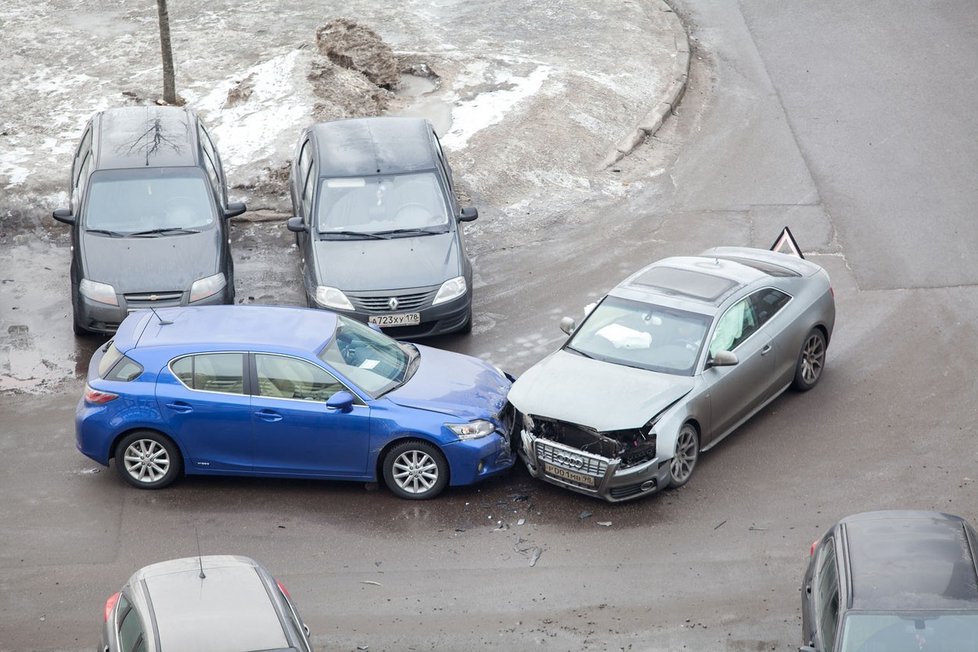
(295, 432)
(206, 410)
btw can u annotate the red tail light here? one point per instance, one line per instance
(283, 589)
(811, 551)
(96, 397)
(110, 605)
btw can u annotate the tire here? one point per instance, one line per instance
(415, 470)
(685, 457)
(148, 460)
(811, 361)
(77, 329)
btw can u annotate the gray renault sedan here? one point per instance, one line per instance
(378, 227)
(148, 212)
(669, 363)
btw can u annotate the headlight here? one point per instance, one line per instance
(329, 297)
(528, 424)
(472, 429)
(206, 287)
(101, 292)
(450, 289)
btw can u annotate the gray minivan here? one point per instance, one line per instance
(148, 213)
(378, 228)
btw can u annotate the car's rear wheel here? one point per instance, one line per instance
(415, 470)
(148, 460)
(684, 459)
(811, 361)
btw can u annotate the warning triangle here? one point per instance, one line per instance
(786, 244)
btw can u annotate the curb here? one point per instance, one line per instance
(652, 120)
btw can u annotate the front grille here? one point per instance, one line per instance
(152, 299)
(380, 302)
(560, 456)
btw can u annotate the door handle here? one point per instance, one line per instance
(765, 349)
(268, 415)
(180, 406)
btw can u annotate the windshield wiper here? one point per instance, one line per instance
(578, 352)
(173, 230)
(427, 230)
(111, 234)
(355, 234)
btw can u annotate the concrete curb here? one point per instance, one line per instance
(650, 124)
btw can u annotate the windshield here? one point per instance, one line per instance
(371, 360)
(152, 202)
(642, 335)
(409, 204)
(910, 632)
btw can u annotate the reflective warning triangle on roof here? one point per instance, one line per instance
(786, 244)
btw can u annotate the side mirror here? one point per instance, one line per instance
(723, 359)
(295, 225)
(234, 209)
(568, 325)
(468, 214)
(342, 401)
(63, 215)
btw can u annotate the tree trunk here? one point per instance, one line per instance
(169, 84)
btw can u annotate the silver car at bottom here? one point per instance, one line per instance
(669, 363)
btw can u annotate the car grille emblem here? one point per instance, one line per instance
(393, 303)
(153, 297)
(570, 461)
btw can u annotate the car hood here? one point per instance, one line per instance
(455, 384)
(166, 263)
(596, 394)
(364, 265)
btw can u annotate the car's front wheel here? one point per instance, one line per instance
(687, 454)
(415, 470)
(811, 361)
(148, 460)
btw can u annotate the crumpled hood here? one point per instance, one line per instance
(454, 384)
(596, 394)
(364, 265)
(167, 263)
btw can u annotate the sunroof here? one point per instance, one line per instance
(683, 282)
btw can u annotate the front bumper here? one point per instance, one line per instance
(447, 317)
(474, 460)
(591, 475)
(104, 318)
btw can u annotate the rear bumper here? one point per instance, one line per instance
(591, 475)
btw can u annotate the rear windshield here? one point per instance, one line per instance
(115, 366)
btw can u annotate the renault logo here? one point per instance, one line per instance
(392, 303)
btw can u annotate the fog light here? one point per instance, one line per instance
(648, 484)
(481, 467)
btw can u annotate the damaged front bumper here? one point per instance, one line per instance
(591, 474)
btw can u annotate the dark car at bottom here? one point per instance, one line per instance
(892, 581)
(215, 603)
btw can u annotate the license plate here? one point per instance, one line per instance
(403, 319)
(567, 474)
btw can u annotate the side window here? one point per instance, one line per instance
(211, 372)
(826, 597)
(212, 165)
(767, 303)
(305, 173)
(84, 148)
(132, 638)
(78, 188)
(735, 326)
(282, 377)
(125, 370)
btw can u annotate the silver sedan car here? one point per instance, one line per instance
(669, 363)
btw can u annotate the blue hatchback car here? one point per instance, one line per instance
(290, 392)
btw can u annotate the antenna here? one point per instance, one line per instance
(200, 560)
(163, 322)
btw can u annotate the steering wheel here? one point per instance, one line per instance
(352, 355)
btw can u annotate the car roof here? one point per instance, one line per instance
(371, 146)
(230, 608)
(281, 328)
(705, 281)
(145, 136)
(910, 560)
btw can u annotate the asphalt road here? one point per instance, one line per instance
(844, 122)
